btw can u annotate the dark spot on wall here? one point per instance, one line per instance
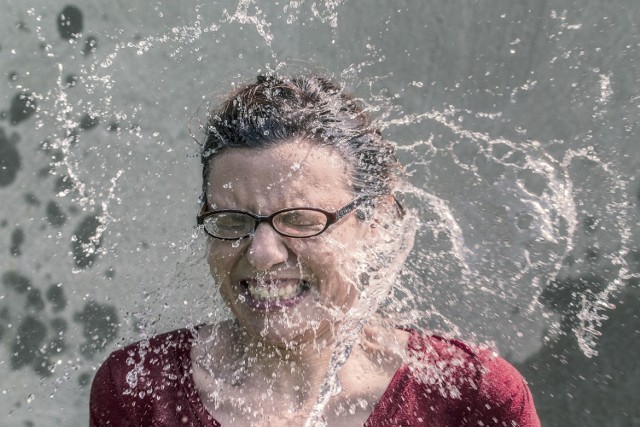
(9, 158)
(592, 254)
(34, 299)
(55, 216)
(30, 345)
(31, 199)
(58, 344)
(70, 22)
(45, 171)
(13, 76)
(90, 45)
(63, 185)
(113, 126)
(16, 281)
(87, 122)
(84, 379)
(110, 273)
(524, 220)
(17, 239)
(83, 246)
(5, 317)
(31, 335)
(23, 105)
(564, 296)
(59, 325)
(71, 80)
(100, 326)
(489, 169)
(55, 295)
(590, 224)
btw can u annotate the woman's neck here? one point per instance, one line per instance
(301, 368)
(235, 372)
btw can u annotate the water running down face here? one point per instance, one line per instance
(286, 290)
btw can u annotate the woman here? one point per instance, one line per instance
(305, 239)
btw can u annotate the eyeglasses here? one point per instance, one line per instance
(232, 224)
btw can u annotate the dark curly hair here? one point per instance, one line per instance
(274, 109)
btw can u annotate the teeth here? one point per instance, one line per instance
(268, 293)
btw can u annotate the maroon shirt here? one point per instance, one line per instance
(448, 384)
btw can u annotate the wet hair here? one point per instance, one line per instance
(275, 109)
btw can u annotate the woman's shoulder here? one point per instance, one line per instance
(165, 345)
(486, 385)
(458, 356)
(143, 378)
(149, 361)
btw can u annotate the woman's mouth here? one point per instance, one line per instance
(273, 294)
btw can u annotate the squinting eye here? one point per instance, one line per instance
(228, 221)
(301, 220)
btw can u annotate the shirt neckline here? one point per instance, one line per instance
(204, 416)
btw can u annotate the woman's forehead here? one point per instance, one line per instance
(288, 172)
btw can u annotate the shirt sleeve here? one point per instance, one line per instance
(105, 406)
(503, 397)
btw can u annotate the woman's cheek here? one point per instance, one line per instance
(220, 264)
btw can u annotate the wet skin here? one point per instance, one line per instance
(314, 274)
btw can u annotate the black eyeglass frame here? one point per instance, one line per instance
(332, 217)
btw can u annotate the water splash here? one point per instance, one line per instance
(242, 16)
(506, 244)
(593, 306)
(384, 261)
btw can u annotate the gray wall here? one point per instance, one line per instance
(516, 118)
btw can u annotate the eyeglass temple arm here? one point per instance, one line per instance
(401, 209)
(363, 199)
(203, 210)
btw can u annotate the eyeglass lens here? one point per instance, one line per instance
(235, 225)
(229, 225)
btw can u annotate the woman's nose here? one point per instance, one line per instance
(267, 248)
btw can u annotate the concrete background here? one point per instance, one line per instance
(517, 119)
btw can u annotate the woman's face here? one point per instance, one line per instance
(286, 290)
